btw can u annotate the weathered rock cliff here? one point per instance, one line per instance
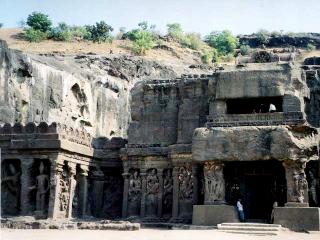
(84, 90)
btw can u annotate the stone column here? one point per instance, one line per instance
(160, 194)
(83, 190)
(72, 186)
(26, 167)
(143, 175)
(214, 183)
(97, 192)
(55, 175)
(195, 184)
(297, 185)
(175, 193)
(125, 194)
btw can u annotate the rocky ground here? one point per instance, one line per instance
(146, 234)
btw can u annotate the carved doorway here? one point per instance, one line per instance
(259, 184)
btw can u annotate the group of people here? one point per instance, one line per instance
(272, 109)
(241, 212)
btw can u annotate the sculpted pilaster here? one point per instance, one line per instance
(125, 194)
(214, 183)
(25, 201)
(83, 190)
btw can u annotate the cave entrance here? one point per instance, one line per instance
(259, 184)
(253, 105)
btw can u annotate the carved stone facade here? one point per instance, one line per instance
(185, 147)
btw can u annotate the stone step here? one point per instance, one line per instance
(257, 233)
(250, 224)
(249, 228)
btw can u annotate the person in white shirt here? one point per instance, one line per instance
(272, 108)
(240, 210)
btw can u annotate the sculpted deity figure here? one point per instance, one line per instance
(152, 191)
(313, 188)
(64, 192)
(185, 183)
(301, 184)
(10, 192)
(134, 186)
(42, 187)
(214, 182)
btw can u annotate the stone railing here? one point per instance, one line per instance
(80, 136)
(255, 119)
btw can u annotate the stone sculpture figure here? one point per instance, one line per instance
(313, 186)
(185, 183)
(134, 193)
(152, 192)
(214, 183)
(167, 190)
(10, 192)
(64, 192)
(42, 187)
(301, 184)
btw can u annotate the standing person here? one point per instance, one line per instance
(272, 108)
(275, 204)
(240, 210)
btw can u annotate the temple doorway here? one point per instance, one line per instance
(259, 184)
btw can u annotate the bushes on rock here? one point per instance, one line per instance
(263, 36)
(245, 50)
(100, 32)
(39, 21)
(175, 31)
(35, 35)
(210, 56)
(193, 41)
(311, 47)
(64, 32)
(223, 41)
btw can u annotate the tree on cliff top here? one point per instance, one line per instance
(39, 21)
(100, 32)
(223, 41)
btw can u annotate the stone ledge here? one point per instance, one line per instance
(69, 224)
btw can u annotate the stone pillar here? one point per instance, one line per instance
(55, 175)
(97, 192)
(160, 194)
(83, 190)
(195, 184)
(214, 183)
(125, 194)
(72, 186)
(143, 175)
(26, 167)
(297, 185)
(175, 193)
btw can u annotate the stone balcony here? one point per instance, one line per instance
(255, 119)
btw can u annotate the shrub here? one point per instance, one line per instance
(1, 25)
(175, 31)
(263, 36)
(121, 33)
(245, 49)
(193, 41)
(61, 33)
(223, 41)
(275, 34)
(144, 40)
(227, 58)
(143, 26)
(39, 21)
(35, 35)
(210, 56)
(101, 32)
(311, 47)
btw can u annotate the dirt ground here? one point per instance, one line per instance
(146, 234)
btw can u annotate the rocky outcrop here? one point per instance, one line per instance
(89, 91)
(254, 143)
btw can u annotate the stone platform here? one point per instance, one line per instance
(31, 223)
(298, 218)
(214, 214)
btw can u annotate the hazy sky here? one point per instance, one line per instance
(204, 16)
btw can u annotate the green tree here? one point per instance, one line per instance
(39, 21)
(144, 40)
(175, 31)
(210, 56)
(193, 41)
(100, 32)
(62, 32)
(223, 41)
(245, 49)
(35, 35)
(263, 36)
(311, 47)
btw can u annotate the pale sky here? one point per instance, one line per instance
(204, 16)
